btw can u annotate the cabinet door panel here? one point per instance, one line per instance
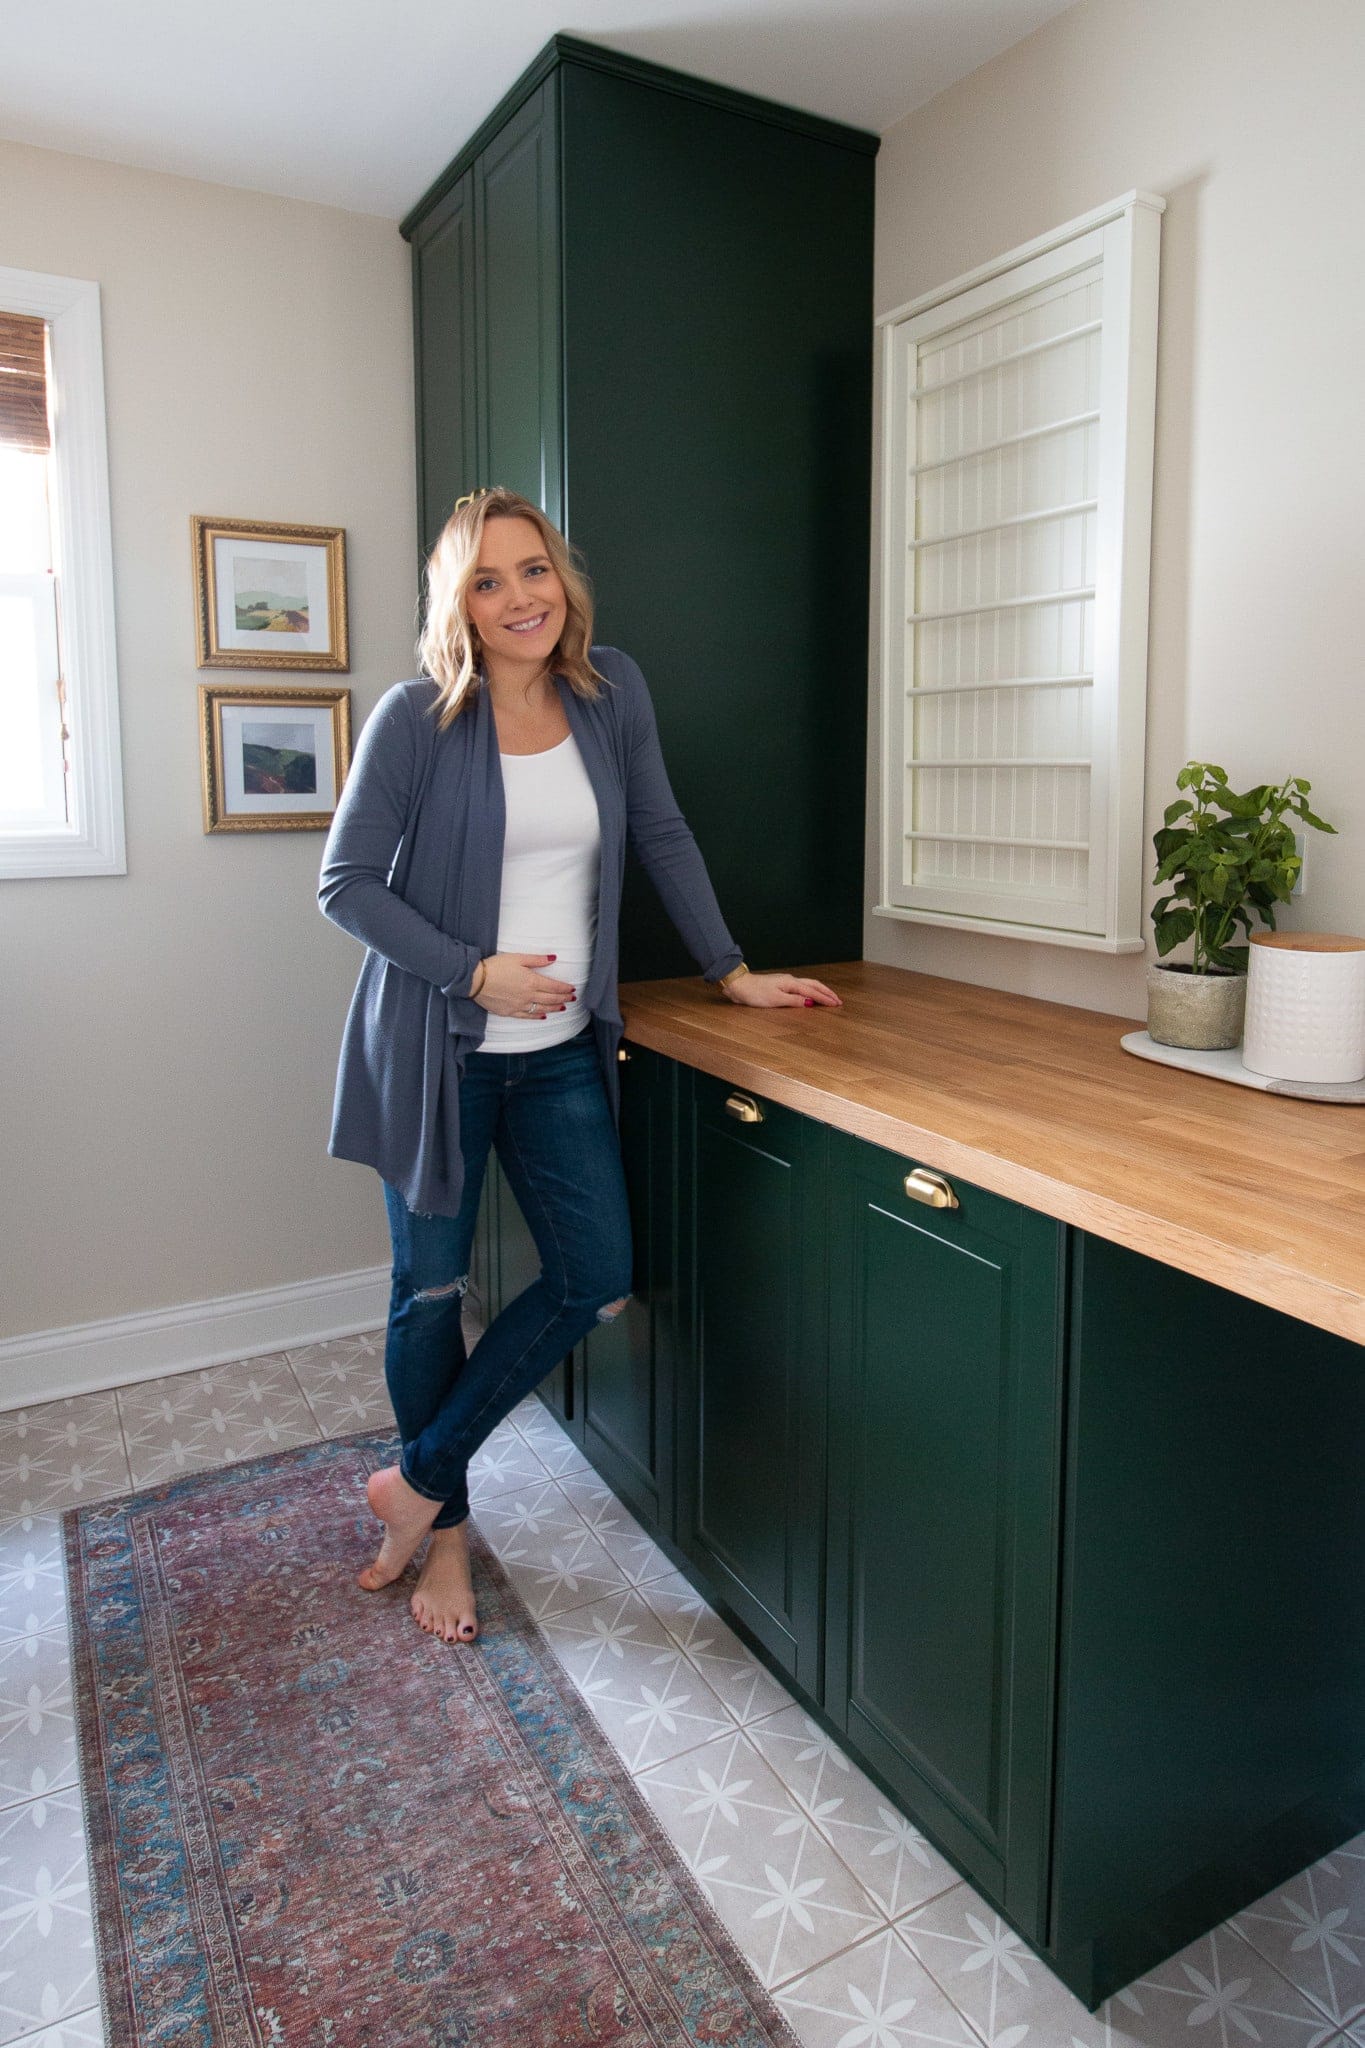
(513, 1263)
(444, 314)
(944, 1441)
(928, 1618)
(625, 1368)
(519, 354)
(752, 1465)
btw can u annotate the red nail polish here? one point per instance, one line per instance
(810, 1002)
(551, 956)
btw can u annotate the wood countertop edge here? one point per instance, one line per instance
(1278, 1286)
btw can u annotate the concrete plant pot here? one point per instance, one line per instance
(1201, 1011)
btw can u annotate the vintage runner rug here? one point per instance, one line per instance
(310, 1825)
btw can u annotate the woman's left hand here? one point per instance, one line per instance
(782, 992)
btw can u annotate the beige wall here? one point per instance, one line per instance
(168, 1037)
(1246, 118)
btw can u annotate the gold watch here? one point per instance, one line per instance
(725, 980)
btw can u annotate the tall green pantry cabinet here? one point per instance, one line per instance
(645, 302)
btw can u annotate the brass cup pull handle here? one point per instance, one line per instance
(744, 1109)
(933, 1189)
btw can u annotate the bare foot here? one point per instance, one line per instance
(406, 1515)
(444, 1601)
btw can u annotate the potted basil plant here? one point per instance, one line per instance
(1228, 860)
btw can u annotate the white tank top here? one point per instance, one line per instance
(550, 859)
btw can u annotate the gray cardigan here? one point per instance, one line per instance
(413, 868)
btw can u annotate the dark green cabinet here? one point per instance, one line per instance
(1066, 1545)
(646, 303)
(623, 1370)
(751, 1387)
(945, 1389)
(1212, 1638)
(517, 307)
(486, 322)
(445, 328)
(505, 1262)
(614, 1396)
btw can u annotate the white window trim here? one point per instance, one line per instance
(1130, 232)
(93, 842)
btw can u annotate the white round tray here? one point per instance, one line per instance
(1227, 1066)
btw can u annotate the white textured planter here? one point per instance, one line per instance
(1306, 1007)
(1200, 1011)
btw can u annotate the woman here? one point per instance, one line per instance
(478, 851)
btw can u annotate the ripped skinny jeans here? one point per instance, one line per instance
(547, 1115)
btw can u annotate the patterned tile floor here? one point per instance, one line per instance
(866, 1936)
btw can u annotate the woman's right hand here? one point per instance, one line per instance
(513, 986)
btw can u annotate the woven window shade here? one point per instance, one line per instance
(23, 383)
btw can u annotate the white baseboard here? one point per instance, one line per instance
(88, 1358)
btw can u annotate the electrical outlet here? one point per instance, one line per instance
(1301, 849)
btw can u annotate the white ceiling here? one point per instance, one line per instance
(361, 105)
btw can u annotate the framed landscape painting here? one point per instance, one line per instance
(273, 760)
(270, 596)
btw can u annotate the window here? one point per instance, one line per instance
(1016, 520)
(61, 807)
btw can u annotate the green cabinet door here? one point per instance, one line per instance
(1212, 1671)
(443, 303)
(624, 1369)
(518, 353)
(751, 1371)
(506, 1261)
(945, 1389)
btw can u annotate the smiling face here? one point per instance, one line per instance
(515, 600)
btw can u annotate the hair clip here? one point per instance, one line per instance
(470, 496)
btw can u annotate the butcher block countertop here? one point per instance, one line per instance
(1037, 1101)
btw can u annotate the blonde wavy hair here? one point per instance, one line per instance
(449, 648)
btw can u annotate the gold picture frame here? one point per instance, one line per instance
(270, 596)
(272, 760)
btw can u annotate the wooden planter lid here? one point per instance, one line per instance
(1309, 942)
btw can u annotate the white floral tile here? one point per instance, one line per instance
(343, 1383)
(37, 1721)
(530, 1415)
(557, 1452)
(556, 1569)
(194, 1421)
(356, 1408)
(58, 1454)
(47, 1951)
(559, 1455)
(71, 1422)
(748, 1690)
(157, 1453)
(363, 1351)
(1313, 1931)
(884, 1850)
(875, 1995)
(81, 2030)
(45, 1472)
(615, 1528)
(32, 1576)
(524, 1524)
(780, 1889)
(1219, 1991)
(23, 1645)
(649, 1699)
(346, 1402)
(505, 1464)
(251, 1386)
